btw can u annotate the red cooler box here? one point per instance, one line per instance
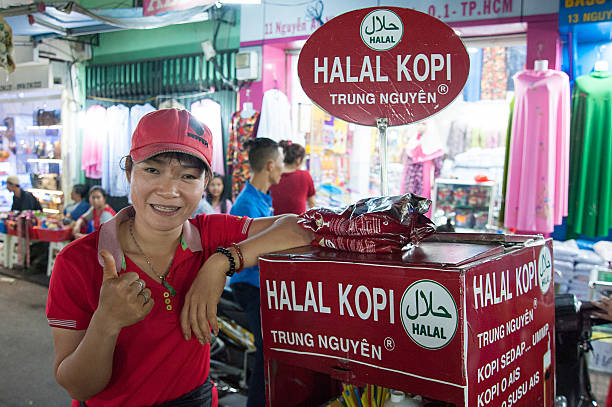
(464, 318)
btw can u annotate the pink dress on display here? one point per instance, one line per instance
(538, 169)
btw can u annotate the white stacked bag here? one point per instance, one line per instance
(574, 266)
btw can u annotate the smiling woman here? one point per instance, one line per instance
(132, 304)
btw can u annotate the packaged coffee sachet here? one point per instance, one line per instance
(385, 224)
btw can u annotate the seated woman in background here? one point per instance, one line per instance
(99, 213)
(216, 197)
(79, 206)
(295, 188)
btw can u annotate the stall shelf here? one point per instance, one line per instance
(463, 318)
(469, 204)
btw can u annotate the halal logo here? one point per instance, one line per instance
(545, 269)
(195, 126)
(429, 314)
(381, 29)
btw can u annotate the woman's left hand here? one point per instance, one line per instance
(199, 314)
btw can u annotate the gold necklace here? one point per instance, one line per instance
(162, 278)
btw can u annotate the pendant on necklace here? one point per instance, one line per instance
(168, 287)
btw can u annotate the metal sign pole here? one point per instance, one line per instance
(381, 124)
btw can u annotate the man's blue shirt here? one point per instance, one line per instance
(253, 203)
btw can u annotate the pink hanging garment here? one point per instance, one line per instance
(94, 135)
(538, 168)
(421, 167)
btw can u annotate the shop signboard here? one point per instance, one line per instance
(461, 322)
(573, 12)
(383, 62)
(154, 7)
(274, 20)
(28, 77)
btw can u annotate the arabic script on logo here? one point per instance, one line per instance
(381, 29)
(429, 314)
(545, 269)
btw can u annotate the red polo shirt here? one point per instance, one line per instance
(291, 193)
(153, 362)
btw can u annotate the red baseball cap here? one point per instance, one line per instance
(171, 130)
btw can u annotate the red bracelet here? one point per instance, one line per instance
(240, 257)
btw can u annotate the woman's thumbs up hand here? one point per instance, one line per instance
(124, 300)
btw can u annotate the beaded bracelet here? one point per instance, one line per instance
(240, 257)
(229, 256)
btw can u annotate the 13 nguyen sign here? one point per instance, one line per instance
(391, 62)
(572, 12)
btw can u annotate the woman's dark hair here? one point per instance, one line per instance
(222, 198)
(99, 189)
(293, 151)
(261, 150)
(183, 158)
(81, 190)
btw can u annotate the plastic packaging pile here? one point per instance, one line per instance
(372, 225)
(575, 261)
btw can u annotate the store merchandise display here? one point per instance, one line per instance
(576, 264)
(329, 145)
(329, 195)
(208, 111)
(422, 160)
(275, 118)
(371, 225)
(537, 185)
(40, 226)
(469, 204)
(242, 128)
(604, 249)
(590, 203)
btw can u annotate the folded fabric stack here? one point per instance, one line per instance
(564, 254)
(574, 262)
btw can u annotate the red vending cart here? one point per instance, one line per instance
(466, 319)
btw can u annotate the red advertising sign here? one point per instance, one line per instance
(510, 308)
(154, 7)
(458, 322)
(383, 62)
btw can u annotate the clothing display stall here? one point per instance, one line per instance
(94, 136)
(537, 185)
(106, 140)
(275, 119)
(32, 149)
(208, 111)
(422, 165)
(590, 192)
(242, 129)
(116, 146)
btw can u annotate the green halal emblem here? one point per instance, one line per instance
(545, 269)
(381, 29)
(429, 314)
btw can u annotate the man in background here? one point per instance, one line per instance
(266, 162)
(22, 200)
